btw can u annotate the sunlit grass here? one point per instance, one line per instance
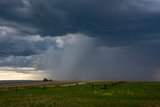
(123, 95)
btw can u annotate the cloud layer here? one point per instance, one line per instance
(78, 56)
(85, 39)
(120, 22)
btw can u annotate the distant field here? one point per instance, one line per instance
(80, 94)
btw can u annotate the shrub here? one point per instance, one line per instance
(45, 79)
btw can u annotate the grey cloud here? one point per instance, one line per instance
(78, 56)
(125, 37)
(11, 43)
(120, 22)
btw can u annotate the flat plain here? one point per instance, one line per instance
(80, 94)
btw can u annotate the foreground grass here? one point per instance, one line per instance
(128, 94)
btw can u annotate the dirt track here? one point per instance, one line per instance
(40, 83)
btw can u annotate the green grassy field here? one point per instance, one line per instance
(127, 94)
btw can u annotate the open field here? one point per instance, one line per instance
(81, 94)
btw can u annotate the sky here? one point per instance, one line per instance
(80, 39)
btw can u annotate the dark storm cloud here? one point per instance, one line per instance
(119, 22)
(86, 39)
